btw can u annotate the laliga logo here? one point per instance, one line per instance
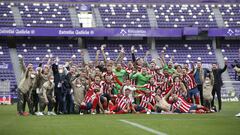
(230, 32)
(123, 32)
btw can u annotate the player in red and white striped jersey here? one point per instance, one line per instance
(147, 103)
(181, 105)
(189, 81)
(179, 87)
(124, 105)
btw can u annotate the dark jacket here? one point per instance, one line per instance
(218, 76)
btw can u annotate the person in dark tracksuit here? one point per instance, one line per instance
(59, 73)
(217, 72)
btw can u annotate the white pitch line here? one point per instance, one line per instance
(143, 127)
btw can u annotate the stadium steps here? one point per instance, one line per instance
(218, 17)
(74, 17)
(97, 16)
(225, 76)
(15, 63)
(152, 18)
(17, 17)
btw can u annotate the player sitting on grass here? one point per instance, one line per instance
(147, 103)
(92, 99)
(123, 106)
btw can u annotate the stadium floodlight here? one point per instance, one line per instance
(225, 58)
(189, 48)
(143, 16)
(55, 10)
(28, 25)
(162, 13)
(37, 58)
(34, 47)
(25, 50)
(227, 25)
(20, 56)
(2, 3)
(60, 7)
(21, 12)
(189, 56)
(50, 55)
(199, 58)
(174, 50)
(210, 53)
(157, 16)
(190, 14)
(155, 10)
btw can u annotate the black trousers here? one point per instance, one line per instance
(35, 100)
(201, 93)
(23, 98)
(217, 90)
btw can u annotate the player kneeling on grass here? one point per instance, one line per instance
(123, 106)
(47, 97)
(147, 103)
(180, 105)
(92, 99)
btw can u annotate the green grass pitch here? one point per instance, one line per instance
(223, 123)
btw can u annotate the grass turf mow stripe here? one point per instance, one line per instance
(143, 127)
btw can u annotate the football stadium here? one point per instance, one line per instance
(119, 67)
